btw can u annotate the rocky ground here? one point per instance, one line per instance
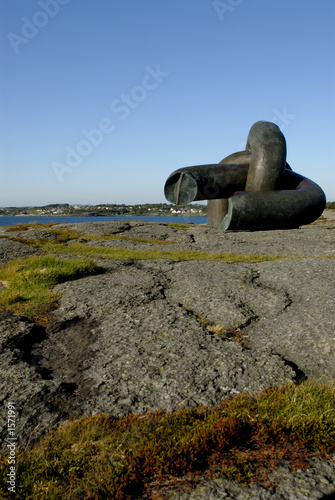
(163, 334)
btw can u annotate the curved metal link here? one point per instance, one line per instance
(268, 157)
(253, 189)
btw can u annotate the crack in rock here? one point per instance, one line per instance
(300, 375)
(136, 339)
(289, 301)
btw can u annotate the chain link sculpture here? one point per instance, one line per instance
(253, 189)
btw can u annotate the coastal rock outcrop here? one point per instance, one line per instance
(170, 334)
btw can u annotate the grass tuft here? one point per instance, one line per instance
(66, 235)
(179, 226)
(77, 248)
(138, 240)
(242, 439)
(25, 227)
(28, 282)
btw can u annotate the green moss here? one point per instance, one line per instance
(77, 248)
(28, 282)
(179, 226)
(65, 235)
(242, 439)
(138, 240)
(25, 227)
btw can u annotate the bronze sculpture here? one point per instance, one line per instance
(253, 189)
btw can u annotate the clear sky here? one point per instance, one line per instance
(102, 99)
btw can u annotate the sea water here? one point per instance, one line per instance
(11, 220)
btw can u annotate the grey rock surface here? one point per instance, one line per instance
(305, 241)
(163, 334)
(11, 249)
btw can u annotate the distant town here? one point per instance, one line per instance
(106, 209)
(111, 210)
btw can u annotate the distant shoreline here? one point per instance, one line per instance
(12, 220)
(103, 215)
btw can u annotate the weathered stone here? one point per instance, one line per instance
(11, 249)
(162, 334)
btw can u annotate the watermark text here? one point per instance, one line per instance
(31, 27)
(121, 107)
(222, 7)
(11, 439)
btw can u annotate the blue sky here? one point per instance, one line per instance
(102, 99)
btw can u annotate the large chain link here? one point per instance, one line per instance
(253, 189)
